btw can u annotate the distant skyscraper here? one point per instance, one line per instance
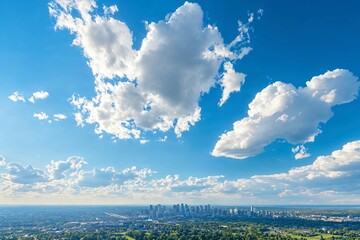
(235, 211)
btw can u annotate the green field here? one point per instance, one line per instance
(317, 237)
(126, 236)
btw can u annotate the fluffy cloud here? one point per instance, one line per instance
(337, 173)
(300, 152)
(24, 175)
(16, 96)
(106, 42)
(191, 184)
(143, 141)
(157, 87)
(59, 169)
(41, 116)
(282, 111)
(328, 179)
(59, 116)
(231, 81)
(109, 176)
(38, 95)
(66, 177)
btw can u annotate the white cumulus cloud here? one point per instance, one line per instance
(334, 174)
(300, 152)
(144, 141)
(328, 180)
(41, 116)
(157, 87)
(38, 95)
(59, 116)
(18, 173)
(231, 81)
(59, 169)
(17, 96)
(282, 111)
(109, 176)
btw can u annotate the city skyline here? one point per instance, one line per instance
(133, 102)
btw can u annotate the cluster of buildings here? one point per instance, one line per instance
(159, 211)
(319, 217)
(197, 211)
(184, 210)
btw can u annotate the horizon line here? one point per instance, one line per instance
(165, 204)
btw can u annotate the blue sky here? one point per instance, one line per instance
(121, 101)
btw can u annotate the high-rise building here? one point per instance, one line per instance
(182, 208)
(235, 211)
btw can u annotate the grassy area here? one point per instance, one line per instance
(293, 236)
(317, 237)
(324, 235)
(126, 236)
(129, 238)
